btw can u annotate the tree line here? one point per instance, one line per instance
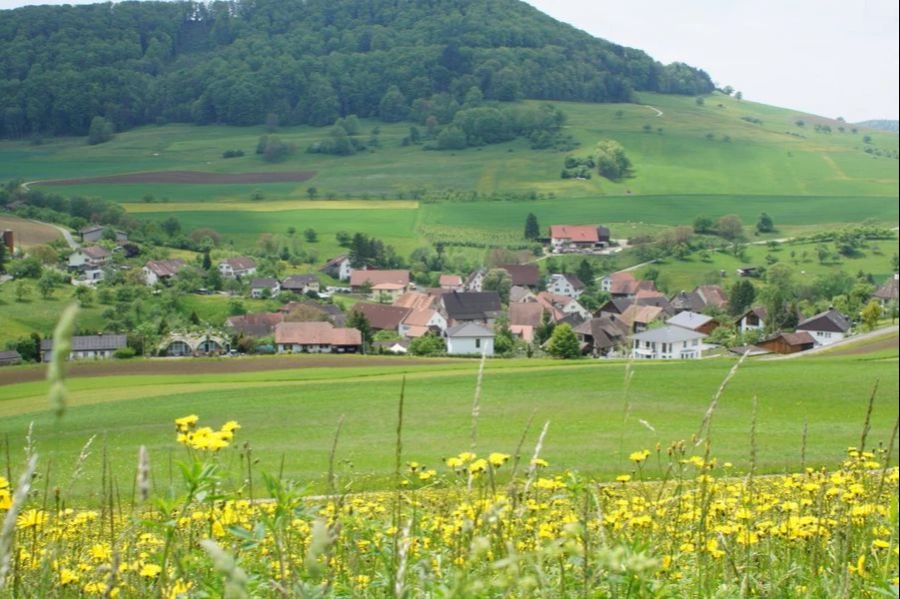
(237, 62)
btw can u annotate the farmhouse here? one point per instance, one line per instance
(699, 299)
(603, 336)
(418, 322)
(338, 268)
(639, 318)
(316, 337)
(300, 284)
(886, 295)
(89, 258)
(667, 343)
(826, 327)
(624, 284)
(94, 233)
(266, 287)
(161, 271)
(565, 284)
(753, 319)
(788, 343)
(451, 282)
(380, 283)
(692, 321)
(561, 306)
(470, 338)
(470, 306)
(382, 317)
(521, 294)
(10, 358)
(88, 347)
(523, 275)
(569, 238)
(238, 267)
(415, 300)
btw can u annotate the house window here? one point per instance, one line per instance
(477, 343)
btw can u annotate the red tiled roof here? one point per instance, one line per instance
(240, 262)
(419, 318)
(315, 333)
(528, 275)
(450, 281)
(415, 300)
(379, 277)
(527, 314)
(575, 233)
(96, 252)
(382, 316)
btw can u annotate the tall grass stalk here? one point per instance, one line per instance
(476, 403)
(707, 417)
(7, 532)
(56, 369)
(867, 426)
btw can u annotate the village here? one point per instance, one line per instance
(503, 310)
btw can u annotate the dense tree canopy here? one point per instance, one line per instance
(307, 61)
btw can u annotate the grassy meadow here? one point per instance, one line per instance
(594, 423)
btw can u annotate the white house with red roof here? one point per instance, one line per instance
(567, 238)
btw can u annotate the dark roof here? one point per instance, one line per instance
(526, 314)
(573, 320)
(616, 305)
(10, 357)
(266, 283)
(101, 341)
(758, 311)
(606, 331)
(793, 339)
(527, 275)
(298, 281)
(382, 316)
(261, 324)
(471, 305)
(829, 320)
(574, 281)
(888, 291)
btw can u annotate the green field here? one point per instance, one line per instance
(37, 314)
(583, 401)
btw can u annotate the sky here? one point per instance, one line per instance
(828, 57)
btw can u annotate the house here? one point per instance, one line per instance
(605, 336)
(568, 238)
(301, 284)
(886, 295)
(753, 319)
(529, 314)
(338, 268)
(237, 267)
(382, 317)
(523, 275)
(469, 338)
(561, 306)
(415, 300)
(180, 345)
(702, 297)
(88, 347)
(694, 322)
(380, 283)
(639, 318)
(90, 257)
(265, 287)
(565, 284)
(316, 337)
(519, 294)
(624, 284)
(161, 271)
(474, 280)
(667, 343)
(451, 283)
(471, 306)
(826, 327)
(261, 324)
(10, 358)
(788, 343)
(94, 233)
(418, 322)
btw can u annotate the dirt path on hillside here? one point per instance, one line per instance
(185, 177)
(188, 366)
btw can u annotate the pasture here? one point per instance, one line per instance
(28, 233)
(594, 422)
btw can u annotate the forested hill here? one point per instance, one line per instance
(306, 61)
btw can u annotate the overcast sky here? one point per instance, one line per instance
(828, 57)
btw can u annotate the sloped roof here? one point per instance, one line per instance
(798, 338)
(96, 252)
(240, 262)
(379, 277)
(829, 320)
(527, 314)
(165, 268)
(642, 314)
(419, 317)
(518, 294)
(712, 295)
(758, 311)
(575, 233)
(415, 300)
(471, 305)
(689, 320)
(382, 316)
(315, 333)
(298, 281)
(888, 290)
(264, 283)
(667, 334)
(527, 275)
(99, 342)
(469, 329)
(450, 281)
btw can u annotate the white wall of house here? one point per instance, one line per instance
(470, 345)
(826, 337)
(436, 320)
(677, 350)
(560, 285)
(297, 348)
(274, 291)
(77, 259)
(744, 325)
(606, 284)
(150, 277)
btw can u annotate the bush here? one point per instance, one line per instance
(124, 353)
(232, 153)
